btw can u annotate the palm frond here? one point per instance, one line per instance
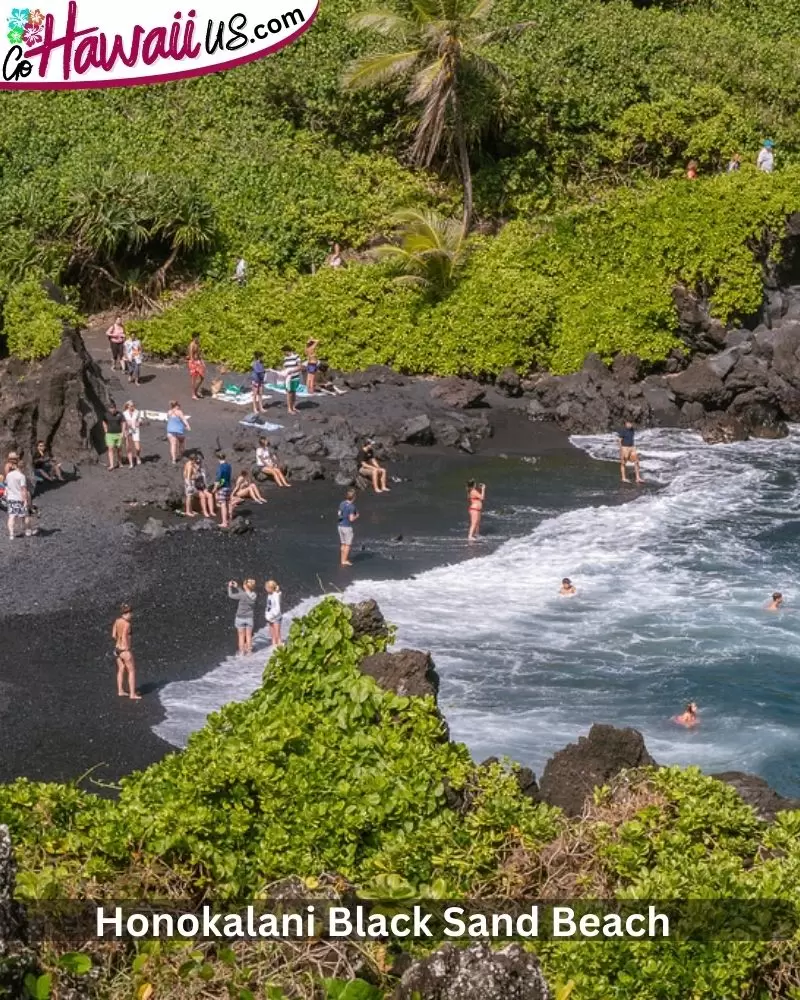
(379, 69)
(383, 22)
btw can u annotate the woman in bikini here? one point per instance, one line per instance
(177, 426)
(475, 497)
(197, 367)
(312, 364)
(122, 634)
(245, 489)
(689, 716)
(203, 490)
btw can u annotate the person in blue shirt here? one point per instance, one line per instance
(257, 375)
(222, 489)
(348, 515)
(627, 452)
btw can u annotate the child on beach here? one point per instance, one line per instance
(222, 489)
(274, 613)
(245, 596)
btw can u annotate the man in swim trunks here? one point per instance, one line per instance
(197, 367)
(258, 374)
(776, 603)
(122, 634)
(689, 716)
(348, 515)
(627, 452)
(112, 427)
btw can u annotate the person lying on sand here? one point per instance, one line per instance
(568, 589)
(776, 603)
(689, 716)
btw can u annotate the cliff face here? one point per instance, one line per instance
(59, 400)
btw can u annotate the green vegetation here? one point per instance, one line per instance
(33, 321)
(323, 775)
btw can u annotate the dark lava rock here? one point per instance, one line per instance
(129, 531)
(509, 383)
(302, 469)
(757, 793)
(407, 672)
(458, 393)
(722, 428)
(17, 957)
(574, 772)
(240, 526)
(698, 384)
(474, 973)
(627, 368)
(417, 430)
(366, 618)
(154, 529)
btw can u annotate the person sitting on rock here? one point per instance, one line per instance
(267, 463)
(45, 466)
(688, 717)
(245, 489)
(370, 468)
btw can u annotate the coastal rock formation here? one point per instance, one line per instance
(460, 393)
(367, 618)
(407, 672)
(17, 958)
(475, 973)
(574, 772)
(757, 793)
(59, 400)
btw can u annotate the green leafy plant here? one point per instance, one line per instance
(33, 322)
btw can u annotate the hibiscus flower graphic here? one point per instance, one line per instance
(36, 18)
(33, 34)
(15, 36)
(19, 18)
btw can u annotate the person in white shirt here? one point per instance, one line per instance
(274, 613)
(267, 463)
(134, 360)
(18, 499)
(132, 422)
(240, 275)
(766, 158)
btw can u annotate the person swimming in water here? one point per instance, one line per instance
(689, 716)
(776, 603)
(568, 588)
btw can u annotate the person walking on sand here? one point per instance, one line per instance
(132, 422)
(688, 718)
(116, 341)
(196, 365)
(18, 498)
(122, 635)
(312, 365)
(258, 374)
(568, 589)
(628, 452)
(348, 515)
(245, 596)
(177, 427)
(112, 427)
(274, 612)
(475, 496)
(222, 489)
(776, 603)
(135, 361)
(369, 467)
(291, 377)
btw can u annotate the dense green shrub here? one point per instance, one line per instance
(33, 322)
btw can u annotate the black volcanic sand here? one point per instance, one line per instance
(60, 716)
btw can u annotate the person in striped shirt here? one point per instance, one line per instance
(292, 368)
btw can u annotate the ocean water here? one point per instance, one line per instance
(670, 607)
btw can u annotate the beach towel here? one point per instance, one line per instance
(254, 421)
(238, 398)
(274, 387)
(160, 415)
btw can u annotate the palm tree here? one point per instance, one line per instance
(440, 47)
(431, 249)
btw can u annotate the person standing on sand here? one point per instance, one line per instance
(246, 598)
(348, 515)
(197, 367)
(274, 613)
(18, 498)
(132, 422)
(689, 716)
(257, 375)
(177, 426)
(116, 341)
(222, 489)
(475, 497)
(628, 452)
(135, 361)
(312, 364)
(122, 634)
(189, 486)
(292, 368)
(112, 427)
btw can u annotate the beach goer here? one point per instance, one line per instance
(292, 368)
(734, 164)
(766, 157)
(267, 463)
(131, 426)
(177, 428)
(116, 341)
(348, 515)
(335, 256)
(112, 427)
(126, 354)
(274, 612)
(189, 486)
(240, 274)
(45, 466)
(691, 170)
(196, 365)
(776, 602)
(688, 717)
(369, 467)
(326, 383)
(245, 489)
(312, 365)
(476, 494)
(18, 498)
(258, 374)
(222, 489)
(204, 493)
(568, 588)
(135, 360)
(628, 452)
(245, 596)
(122, 635)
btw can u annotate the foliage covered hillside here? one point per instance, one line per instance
(121, 194)
(323, 772)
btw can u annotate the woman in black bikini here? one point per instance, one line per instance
(475, 497)
(122, 634)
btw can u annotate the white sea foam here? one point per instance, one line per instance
(671, 588)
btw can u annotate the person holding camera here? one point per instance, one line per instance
(476, 494)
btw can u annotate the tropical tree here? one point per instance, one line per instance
(440, 48)
(430, 251)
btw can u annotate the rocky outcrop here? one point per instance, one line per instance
(474, 973)
(574, 772)
(757, 793)
(366, 618)
(458, 393)
(59, 400)
(407, 672)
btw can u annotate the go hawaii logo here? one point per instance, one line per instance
(95, 44)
